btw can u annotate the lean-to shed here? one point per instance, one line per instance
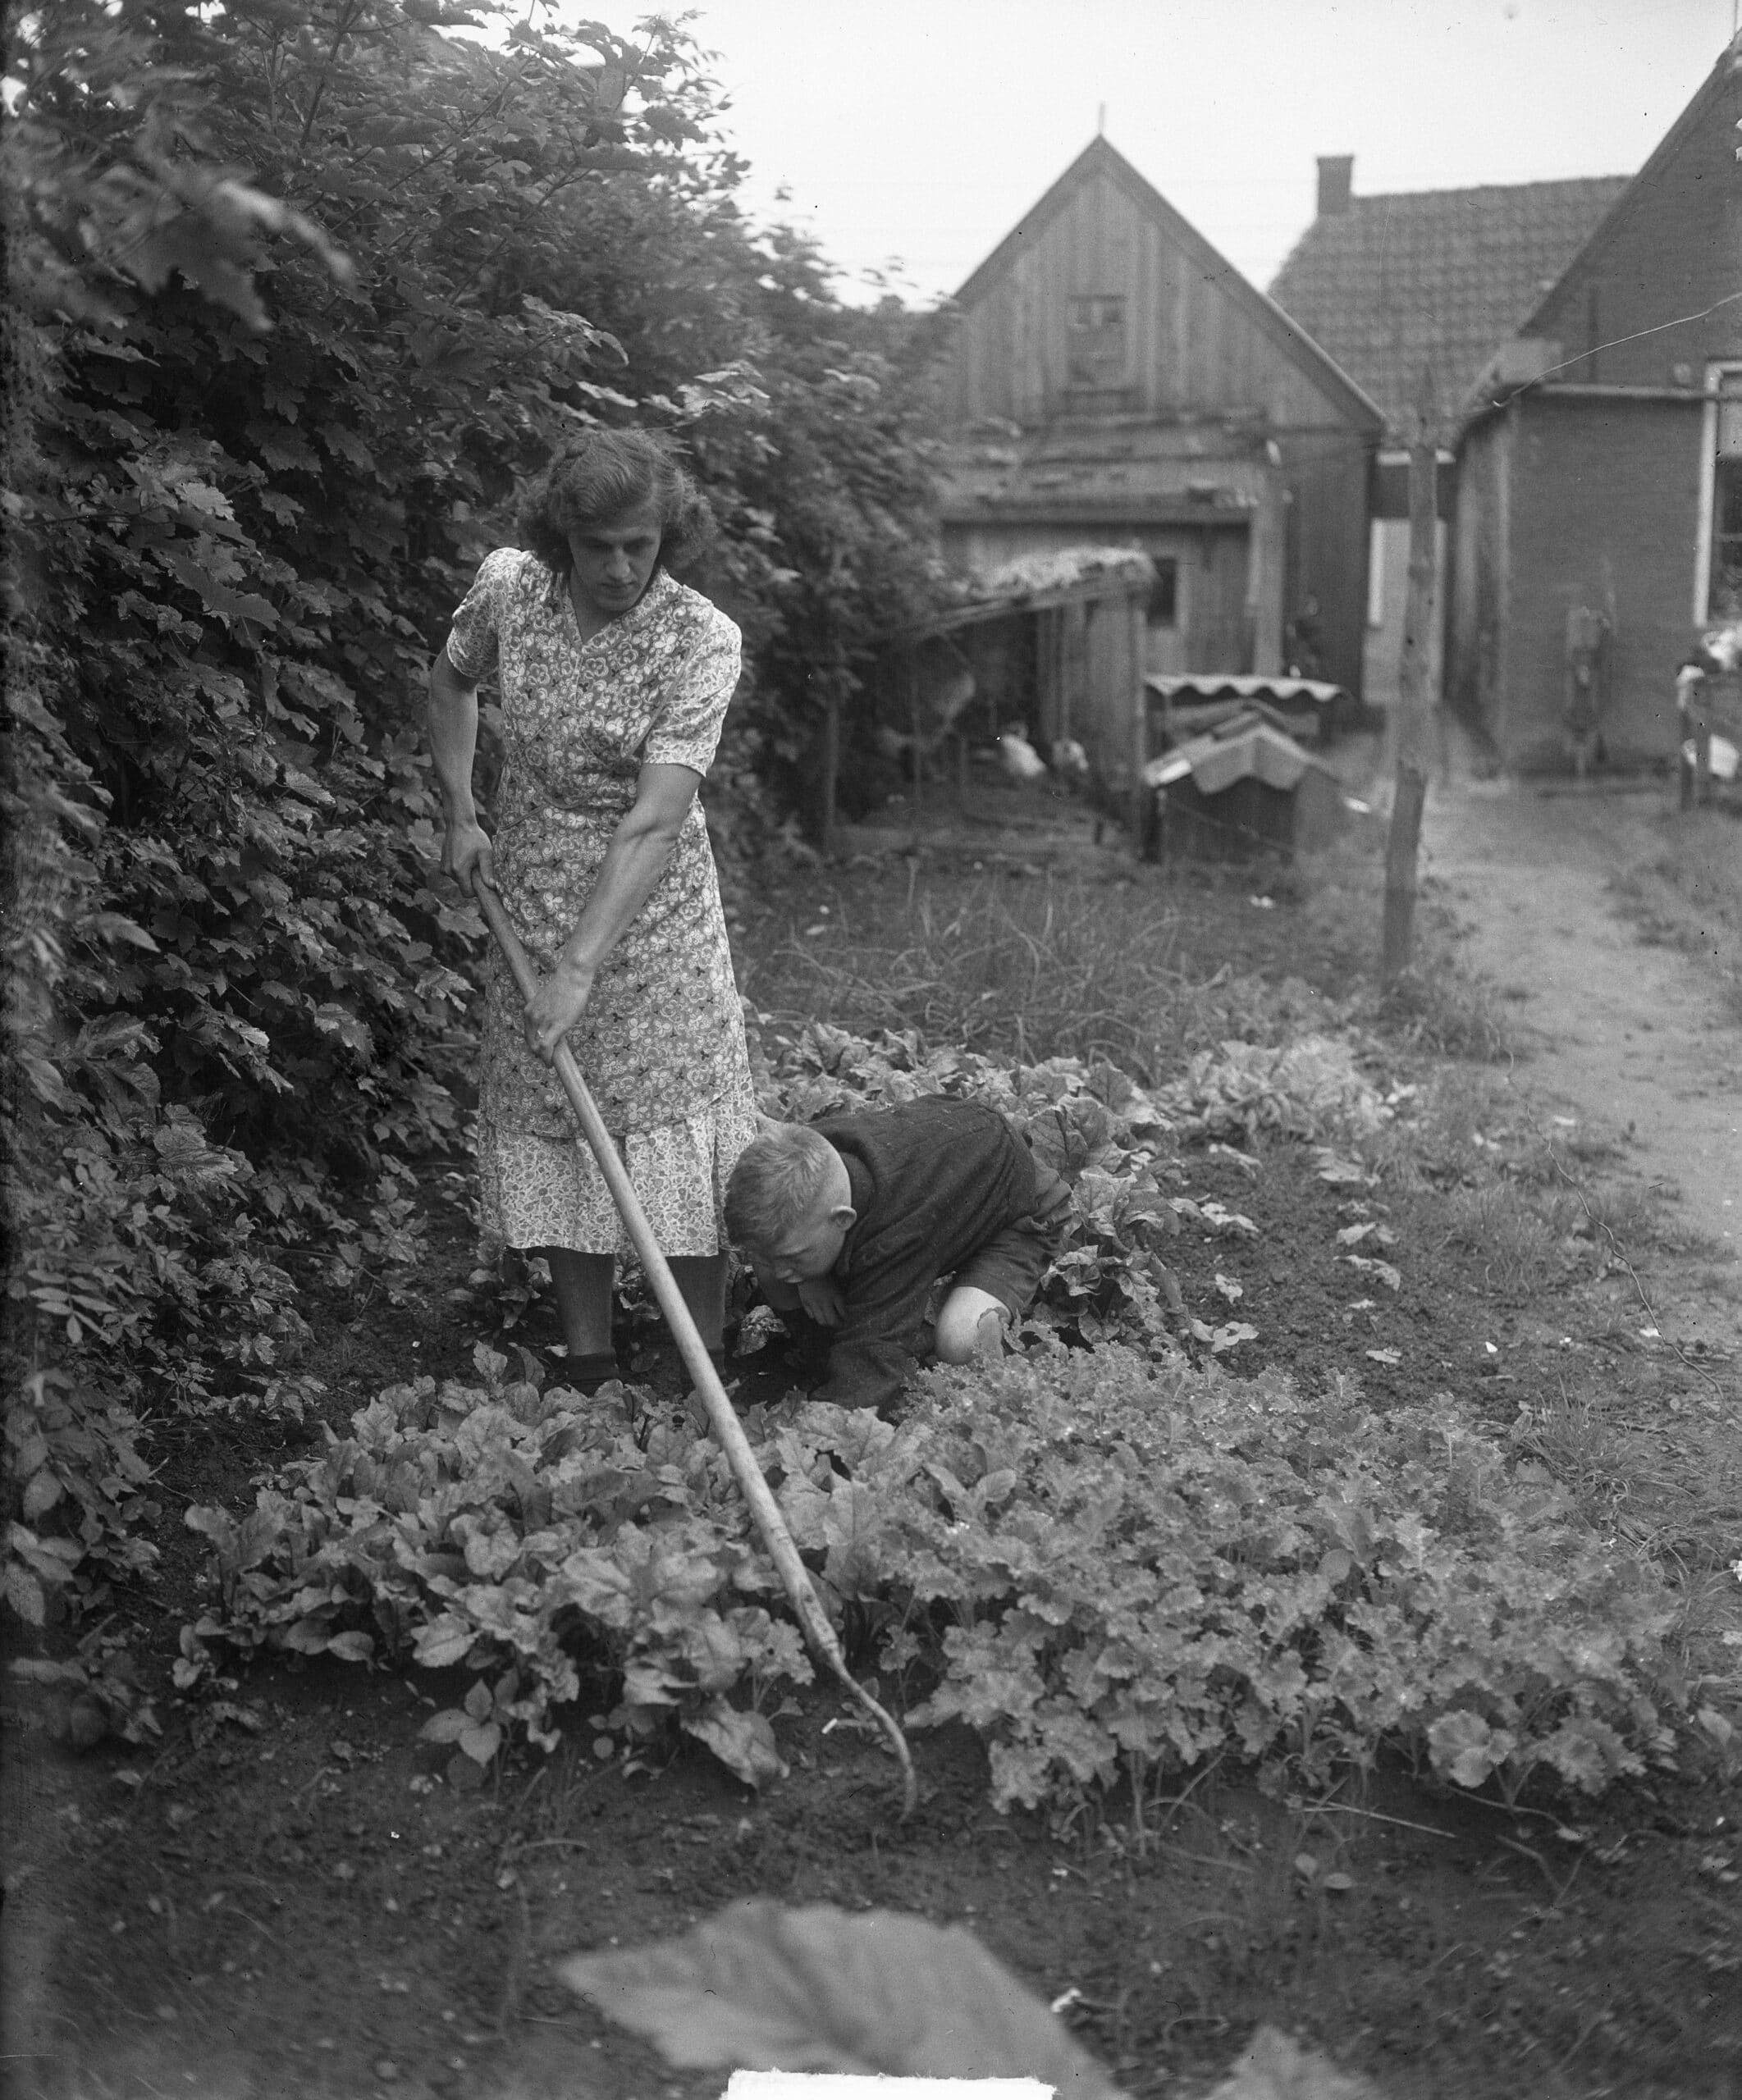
(1052, 642)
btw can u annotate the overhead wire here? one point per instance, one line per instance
(1657, 328)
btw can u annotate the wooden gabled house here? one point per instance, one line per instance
(1599, 522)
(1113, 379)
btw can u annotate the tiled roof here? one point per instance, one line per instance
(1440, 274)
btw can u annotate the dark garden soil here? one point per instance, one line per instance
(287, 1895)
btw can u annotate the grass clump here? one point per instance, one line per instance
(1439, 1007)
(1110, 959)
(1520, 1238)
(1688, 894)
(1025, 965)
(1435, 1006)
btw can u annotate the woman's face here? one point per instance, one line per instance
(611, 562)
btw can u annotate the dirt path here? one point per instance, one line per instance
(1630, 1037)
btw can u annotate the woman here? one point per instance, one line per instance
(614, 680)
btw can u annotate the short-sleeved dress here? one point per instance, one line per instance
(662, 1041)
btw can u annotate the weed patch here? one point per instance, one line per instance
(1447, 1013)
(1027, 967)
(1689, 894)
(1520, 1240)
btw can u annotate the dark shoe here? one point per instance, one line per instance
(586, 1374)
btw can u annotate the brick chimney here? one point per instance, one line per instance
(1335, 182)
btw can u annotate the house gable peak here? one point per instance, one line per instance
(1101, 160)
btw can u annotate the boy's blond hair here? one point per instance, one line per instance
(775, 1182)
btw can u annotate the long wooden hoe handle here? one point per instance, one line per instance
(728, 1431)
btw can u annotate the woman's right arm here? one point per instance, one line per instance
(453, 740)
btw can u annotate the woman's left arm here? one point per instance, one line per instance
(633, 863)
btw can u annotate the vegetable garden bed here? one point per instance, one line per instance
(1227, 1620)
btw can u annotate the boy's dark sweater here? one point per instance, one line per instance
(933, 1181)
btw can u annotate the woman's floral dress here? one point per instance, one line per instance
(662, 1041)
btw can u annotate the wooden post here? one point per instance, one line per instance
(831, 768)
(1414, 700)
(1138, 743)
(1065, 713)
(919, 749)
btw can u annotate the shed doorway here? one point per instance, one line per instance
(1197, 617)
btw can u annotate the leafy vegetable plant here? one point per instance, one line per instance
(526, 1535)
(1109, 1562)
(1127, 1566)
(1108, 1568)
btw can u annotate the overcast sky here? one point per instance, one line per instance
(924, 129)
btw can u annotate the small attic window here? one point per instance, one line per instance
(1096, 346)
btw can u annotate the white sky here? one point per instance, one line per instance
(924, 129)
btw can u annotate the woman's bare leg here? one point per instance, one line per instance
(584, 1298)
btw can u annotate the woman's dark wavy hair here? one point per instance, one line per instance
(598, 475)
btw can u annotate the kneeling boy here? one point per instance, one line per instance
(853, 1219)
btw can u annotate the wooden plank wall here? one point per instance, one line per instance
(1188, 345)
(1329, 544)
(1107, 714)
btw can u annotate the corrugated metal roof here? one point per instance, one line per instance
(1439, 275)
(1218, 685)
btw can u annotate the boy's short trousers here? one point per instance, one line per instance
(1011, 1264)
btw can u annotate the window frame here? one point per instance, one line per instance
(1110, 368)
(1716, 395)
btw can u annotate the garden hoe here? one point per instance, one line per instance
(728, 1430)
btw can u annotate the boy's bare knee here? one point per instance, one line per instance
(970, 1327)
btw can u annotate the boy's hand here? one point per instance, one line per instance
(820, 1297)
(783, 1297)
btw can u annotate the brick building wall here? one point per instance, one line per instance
(1602, 511)
(1592, 487)
(1671, 247)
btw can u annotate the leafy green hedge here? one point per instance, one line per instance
(301, 287)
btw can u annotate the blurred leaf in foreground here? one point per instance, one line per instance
(761, 1988)
(1273, 2067)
